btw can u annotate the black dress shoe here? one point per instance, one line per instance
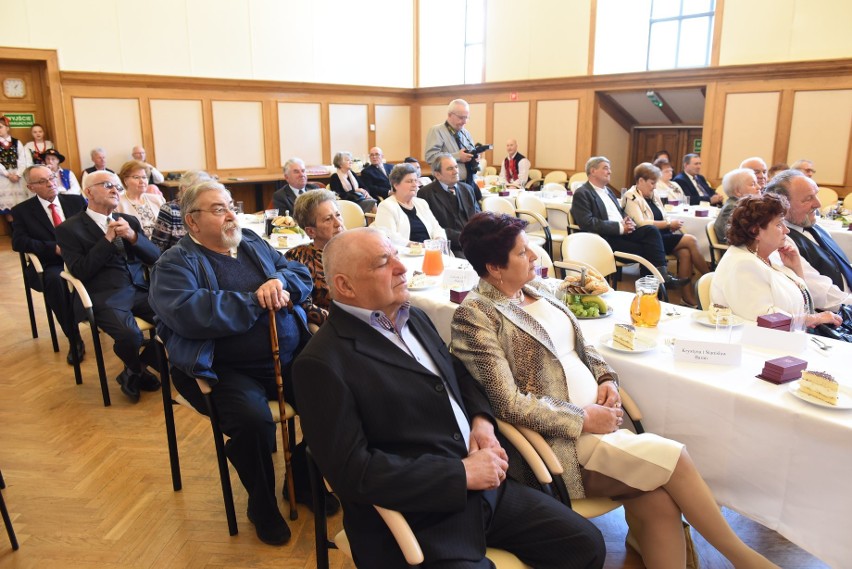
(129, 383)
(148, 381)
(672, 281)
(81, 352)
(332, 504)
(271, 531)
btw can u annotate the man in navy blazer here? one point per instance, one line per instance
(695, 185)
(284, 198)
(392, 420)
(108, 252)
(33, 231)
(375, 176)
(452, 202)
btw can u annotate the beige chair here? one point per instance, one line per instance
(534, 177)
(353, 215)
(544, 259)
(490, 171)
(593, 250)
(396, 523)
(847, 202)
(76, 286)
(557, 176)
(29, 259)
(827, 197)
(492, 180)
(554, 190)
(577, 179)
(717, 248)
(702, 290)
(529, 202)
(499, 204)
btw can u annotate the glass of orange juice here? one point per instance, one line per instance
(645, 309)
(433, 261)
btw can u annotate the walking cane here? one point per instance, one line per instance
(282, 405)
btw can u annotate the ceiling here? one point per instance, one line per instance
(680, 106)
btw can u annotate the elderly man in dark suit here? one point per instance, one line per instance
(284, 198)
(374, 177)
(108, 251)
(393, 420)
(596, 210)
(452, 202)
(695, 185)
(825, 267)
(34, 232)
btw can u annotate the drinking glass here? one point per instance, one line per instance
(269, 215)
(645, 308)
(238, 208)
(723, 318)
(433, 261)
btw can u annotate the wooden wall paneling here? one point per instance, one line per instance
(300, 132)
(491, 155)
(749, 127)
(179, 134)
(557, 133)
(785, 123)
(348, 129)
(112, 123)
(209, 146)
(819, 131)
(371, 121)
(716, 46)
(593, 13)
(586, 130)
(272, 144)
(511, 120)
(327, 153)
(711, 144)
(532, 133)
(147, 140)
(847, 181)
(238, 137)
(393, 131)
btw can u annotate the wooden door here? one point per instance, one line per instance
(678, 141)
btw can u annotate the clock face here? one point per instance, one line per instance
(14, 88)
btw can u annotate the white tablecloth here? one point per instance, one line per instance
(843, 238)
(766, 454)
(695, 225)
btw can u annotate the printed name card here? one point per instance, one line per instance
(716, 353)
(777, 340)
(460, 279)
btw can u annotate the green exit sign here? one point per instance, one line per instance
(20, 120)
(696, 146)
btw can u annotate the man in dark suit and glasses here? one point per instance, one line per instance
(393, 420)
(284, 198)
(695, 185)
(826, 268)
(108, 252)
(34, 232)
(374, 177)
(452, 202)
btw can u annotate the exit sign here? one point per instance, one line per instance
(20, 120)
(696, 146)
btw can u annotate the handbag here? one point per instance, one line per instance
(843, 332)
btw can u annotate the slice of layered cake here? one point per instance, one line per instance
(625, 336)
(820, 385)
(720, 314)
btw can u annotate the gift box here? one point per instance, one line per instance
(457, 296)
(776, 321)
(702, 213)
(504, 194)
(782, 370)
(674, 202)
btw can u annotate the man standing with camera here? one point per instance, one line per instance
(453, 138)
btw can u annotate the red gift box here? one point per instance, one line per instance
(457, 296)
(776, 321)
(702, 213)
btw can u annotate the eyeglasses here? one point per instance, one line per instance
(106, 185)
(463, 117)
(810, 171)
(50, 180)
(139, 178)
(218, 210)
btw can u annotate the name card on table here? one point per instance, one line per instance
(459, 279)
(716, 353)
(778, 340)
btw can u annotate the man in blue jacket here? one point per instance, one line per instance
(212, 294)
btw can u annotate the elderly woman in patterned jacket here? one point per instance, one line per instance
(529, 353)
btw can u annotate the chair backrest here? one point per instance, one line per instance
(827, 197)
(702, 290)
(717, 248)
(498, 205)
(847, 202)
(578, 177)
(543, 258)
(591, 249)
(530, 202)
(490, 171)
(535, 174)
(492, 180)
(553, 190)
(353, 215)
(557, 176)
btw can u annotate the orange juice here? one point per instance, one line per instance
(645, 310)
(480, 182)
(433, 263)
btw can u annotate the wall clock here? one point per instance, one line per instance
(14, 88)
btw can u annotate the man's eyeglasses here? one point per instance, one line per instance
(218, 210)
(50, 180)
(106, 185)
(462, 117)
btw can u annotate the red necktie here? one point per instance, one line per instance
(54, 214)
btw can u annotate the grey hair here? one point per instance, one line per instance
(338, 251)
(800, 163)
(29, 170)
(98, 149)
(399, 172)
(190, 178)
(457, 103)
(190, 197)
(289, 163)
(688, 157)
(747, 160)
(782, 181)
(734, 179)
(436, 163)
(338, 158)
(305, 208)
(593, 163)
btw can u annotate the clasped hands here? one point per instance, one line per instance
(120, 228)
(487, 461)
(606, 415)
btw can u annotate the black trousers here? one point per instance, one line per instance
(644, 241)
(119, 323)
(56, 293)
(242, 402)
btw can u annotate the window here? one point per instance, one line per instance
(474, 41)
(680, 33)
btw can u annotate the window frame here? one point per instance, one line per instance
(468, 44)
(710, 15)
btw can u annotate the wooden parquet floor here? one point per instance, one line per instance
(89, 487)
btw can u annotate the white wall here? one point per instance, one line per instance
(320, 41)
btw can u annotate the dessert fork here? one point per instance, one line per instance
(820, 344)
